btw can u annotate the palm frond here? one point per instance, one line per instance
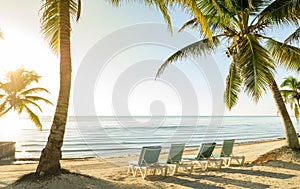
(37, 98)
(34, 118)
(216, 11)
(286, 55)
(4, 109)
(233, 86)
(193, 23)
(2, 96)
(78, 10)
(27, 102)
(280, 12)
(34, 90)
(200, 17)
(162, 5)
(286, 95)
(165, 12)
(290, 82)
(195, 49)
(255, 66)
(50, 21)
(294, 37)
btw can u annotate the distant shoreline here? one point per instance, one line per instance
(188, 149)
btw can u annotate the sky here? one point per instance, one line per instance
(116, 52)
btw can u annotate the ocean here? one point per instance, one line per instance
(121, 136)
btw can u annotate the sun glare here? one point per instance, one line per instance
(10, 127)
(22, 49)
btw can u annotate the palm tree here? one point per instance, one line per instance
(189, 5)
(56, 27)
(291, 94)
(243, 25)
(16, 95)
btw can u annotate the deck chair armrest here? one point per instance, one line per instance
(189, 158)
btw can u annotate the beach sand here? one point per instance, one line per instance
(112, 173)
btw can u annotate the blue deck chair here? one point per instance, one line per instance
(227, 153)
(148, 160)
(175, 157)
(203, 157)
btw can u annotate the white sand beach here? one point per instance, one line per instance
(112, 173)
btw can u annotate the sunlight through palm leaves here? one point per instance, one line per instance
(17, 95)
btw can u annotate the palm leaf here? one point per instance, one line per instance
(26, 102)
(34, 90)
(2, 95)
(50, 21)
(290, 82)
(286, 55)
(293, 37)
(199, 15)
(280, 12)
(255, 66)
(34, 118)
(286, 94)
(37, 98)
(164, 10)
(162, 5)
(233, 86)
(195, 49)
(193, 23)
(4, 109)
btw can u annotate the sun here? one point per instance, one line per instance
(26, 49)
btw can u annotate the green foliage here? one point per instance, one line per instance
(163, 5)
(50, 20)
(196, 49)
(242, 24)
(16, 94)
(233, 86)
(291, 94)
(285, 55)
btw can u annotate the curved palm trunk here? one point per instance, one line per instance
(51, 154)
(291, 135)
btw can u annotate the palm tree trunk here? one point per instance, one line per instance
(291, 135)
(51, 154)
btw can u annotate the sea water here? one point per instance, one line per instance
(119, 136)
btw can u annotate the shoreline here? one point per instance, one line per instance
(114, 172)
(187, 149)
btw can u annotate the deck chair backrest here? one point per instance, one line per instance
(227, 148)
(149, 155)
(175, 153)
(206, 150)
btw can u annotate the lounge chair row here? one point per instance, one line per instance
(148, 160)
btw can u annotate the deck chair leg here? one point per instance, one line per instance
(191, 170)
(134, 171)
(165, 170)
(243, 160)
(227, 162)
(175, 169)
(143, 173)
(204, 167)
(128, 170)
